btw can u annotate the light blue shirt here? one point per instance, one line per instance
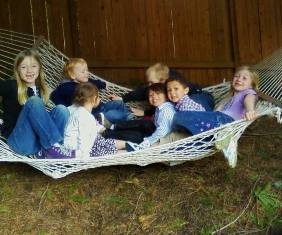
(163, 121)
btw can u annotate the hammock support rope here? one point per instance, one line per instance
(224, 138)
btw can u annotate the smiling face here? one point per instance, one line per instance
(242, 80)
(28, 70)
(156, 98)
(175, 91)
(80, 72)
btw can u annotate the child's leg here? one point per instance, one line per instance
(144, 126)
(127, 135)
(116, 110)
(197, 122)
(34, 128)
(60, 115)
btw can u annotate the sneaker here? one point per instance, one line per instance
(103, 120)
(39, 155)
(130, 146)
(58, 152)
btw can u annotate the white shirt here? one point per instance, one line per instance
(81, 131)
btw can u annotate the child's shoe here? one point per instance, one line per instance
(130, 146)
(103, 120)
(58, 152)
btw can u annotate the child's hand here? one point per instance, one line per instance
(250, 115)
(115, 97)
(137, 112)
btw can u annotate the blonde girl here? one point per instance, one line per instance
(240, 104)
(28, 127)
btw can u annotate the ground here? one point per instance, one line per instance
(197, 197)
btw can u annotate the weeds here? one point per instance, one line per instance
(268, 206)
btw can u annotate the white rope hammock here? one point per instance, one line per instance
(223, 138)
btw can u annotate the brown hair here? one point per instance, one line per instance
(85, 92)
(69, 65)
(158, 88)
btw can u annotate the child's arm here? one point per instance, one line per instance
(163, 127)
(139, 94)
(98, 83)
(250, 104)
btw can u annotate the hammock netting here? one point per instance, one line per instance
(223, 138)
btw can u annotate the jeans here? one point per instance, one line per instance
(132, 130)
(36, 128)
(195, 122)
(114, 111)
(204, 98)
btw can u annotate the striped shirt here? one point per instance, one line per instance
(187, 104)
(163, 121)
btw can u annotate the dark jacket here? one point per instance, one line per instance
(64, 93)
(11, 106)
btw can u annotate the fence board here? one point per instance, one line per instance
(20, 16)
(120, 38)
(5, 14)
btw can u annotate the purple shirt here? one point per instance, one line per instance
(235, 106)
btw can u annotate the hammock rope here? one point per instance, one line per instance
(224, 138)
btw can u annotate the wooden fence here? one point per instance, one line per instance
(204, 39)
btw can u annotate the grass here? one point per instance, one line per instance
(193, 198)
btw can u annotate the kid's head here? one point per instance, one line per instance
(176, 88)
(28, 72)
(244, 78)
(157, 73)
(28, 68)
(86, 93)
(77, 70)
(157, 94)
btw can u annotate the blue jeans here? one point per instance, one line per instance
(196, 121)
(114, 111)
(36, 128)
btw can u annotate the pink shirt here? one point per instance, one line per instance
(235, 106)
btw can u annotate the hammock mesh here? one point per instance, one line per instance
(223, 138)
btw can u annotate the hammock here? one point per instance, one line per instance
(224, 138)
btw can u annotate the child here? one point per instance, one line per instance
(150, 132)
(82, 130)
(76, 71)
(27, 126)
(177, 92)
(156, 73)
(240, 104)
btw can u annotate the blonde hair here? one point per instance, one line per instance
(40, 81)
(254, 76)
(68, 68)
(161, 72)
(85, 92)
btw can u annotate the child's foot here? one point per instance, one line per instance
(58, 152)
(130, 146)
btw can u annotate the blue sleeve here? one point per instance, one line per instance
(63, 94)
(98, 83)
(163, 126)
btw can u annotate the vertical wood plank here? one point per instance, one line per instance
(21, 16)
(5, 14)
